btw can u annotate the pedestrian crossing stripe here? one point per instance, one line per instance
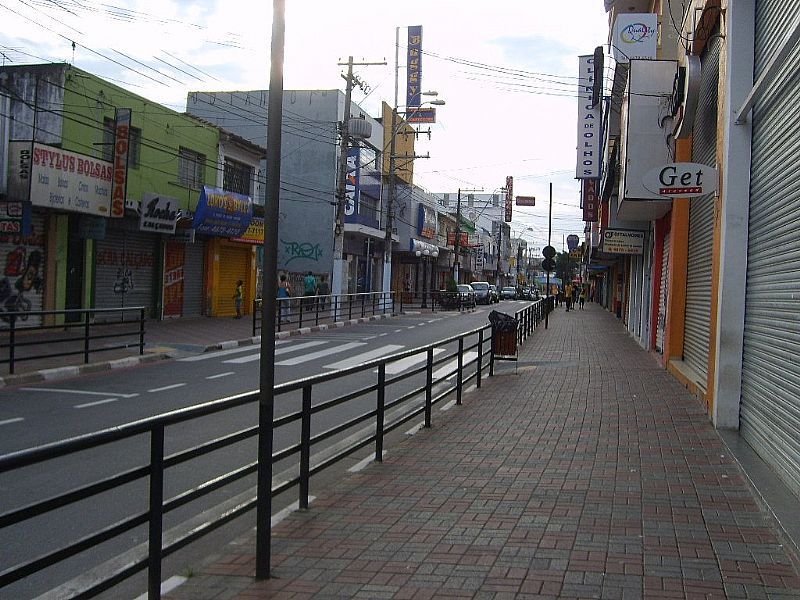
(297, 360)
(278, 352)
(364, 357)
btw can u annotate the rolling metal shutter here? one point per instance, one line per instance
(701, 221)
(770, 403)
(662, 297)
(125, 266)
(234, 261)
(193, 279)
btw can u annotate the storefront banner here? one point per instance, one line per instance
(159, 213)
(509, 198)
(620, 241)
(222, 214)
(59, 179)
(590, 200)
(635, 36)
(414, 66)
(589, 128)
(254, 233)
(426, 222)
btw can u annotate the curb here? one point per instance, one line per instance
(75, 370)
(132, 361)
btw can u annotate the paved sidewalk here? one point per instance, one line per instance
(588, 473)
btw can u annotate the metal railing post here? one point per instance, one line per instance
(491, 353)
(460, 375)
(255, 312)
(300, 316)
(428, 387)
(363, 306)
(155, 529)
(349, 307)
(12, 341)
(305, 447)
(379, 417)
(141, 331)
(86, 338)
(480, 358)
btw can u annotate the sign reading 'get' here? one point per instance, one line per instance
(682, 180)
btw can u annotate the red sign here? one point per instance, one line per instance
(121, 144)
(463, 239)
(174, 258)
(509, 197)
(526, 201)
(590, 199)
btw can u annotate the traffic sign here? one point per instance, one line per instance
(548, 252)
(549, 265)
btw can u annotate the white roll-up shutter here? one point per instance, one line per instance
(193, 279)
(22, 277)
(662, 297)
(125, 266)
(701, 221)
(770, 403)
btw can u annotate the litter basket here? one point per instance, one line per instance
(504, 335)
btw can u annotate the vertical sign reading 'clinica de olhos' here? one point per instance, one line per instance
(589, 129)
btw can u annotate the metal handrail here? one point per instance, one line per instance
(387, 416)
(86, 321)
(304, 311)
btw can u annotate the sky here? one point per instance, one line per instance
(507, 71)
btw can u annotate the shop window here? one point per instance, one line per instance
(237, 177)
(191, 167)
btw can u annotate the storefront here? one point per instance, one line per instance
(23, 252)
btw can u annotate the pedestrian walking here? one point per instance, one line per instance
(582, 298)
(238, 298)
(284, 295)
(310, 288)
(323, 289)
(568, 295)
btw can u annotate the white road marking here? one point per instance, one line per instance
(87, 393)
(167, 586)
(282, 514)
(398, 331)
(218, 375)
(415, 429)
(448, 406)
(166, 387)
(319, 354)
(9, 421)
(96, 402)
(449, 369)
(286, 350)
(404, 364)
(218, 353)
(364, 357)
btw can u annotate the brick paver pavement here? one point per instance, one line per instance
(588, 473)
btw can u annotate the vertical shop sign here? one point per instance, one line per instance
(509, 197)
(589, 199)
(414, 66)
(121, 150)
(589, 128)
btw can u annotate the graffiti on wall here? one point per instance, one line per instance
(307, 250)
(22, 283)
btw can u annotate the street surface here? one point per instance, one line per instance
(34, 415)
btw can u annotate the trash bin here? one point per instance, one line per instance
(504, 334)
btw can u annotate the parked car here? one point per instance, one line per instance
(493, 293)
(483, 294)
(466, 295)
(508, 293)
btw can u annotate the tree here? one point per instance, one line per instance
(566, 268)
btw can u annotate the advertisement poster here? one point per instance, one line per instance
(222, 214)
(174, 258)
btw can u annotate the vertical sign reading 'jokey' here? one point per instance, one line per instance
(589, 130)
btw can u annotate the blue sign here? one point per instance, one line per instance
(414, 66)
(221, 213)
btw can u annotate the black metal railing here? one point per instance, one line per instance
(303, 311)
(377, 417)
(85, 331)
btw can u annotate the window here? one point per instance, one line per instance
(134, 143)
(191, 167)
(237, 177)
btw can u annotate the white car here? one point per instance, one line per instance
(508, 293)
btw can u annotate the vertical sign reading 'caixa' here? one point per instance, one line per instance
(121, 146)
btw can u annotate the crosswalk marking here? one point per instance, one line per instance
(218, 353)
(284, 350)
(409, 362)
(449, 369)
(95, 403)
(319, 354)
(364, 357)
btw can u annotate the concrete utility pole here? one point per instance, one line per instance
(457, 240)
(337, 277)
